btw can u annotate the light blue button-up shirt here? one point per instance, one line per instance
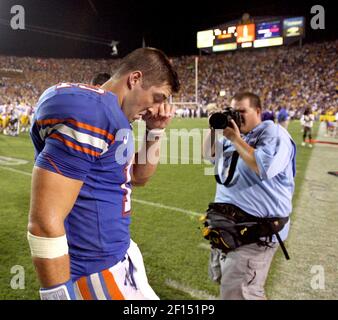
(269, 193)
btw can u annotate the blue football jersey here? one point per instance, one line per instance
(81, 132)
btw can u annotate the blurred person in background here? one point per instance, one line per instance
(306, 121)
(283, 117)
(100, 79)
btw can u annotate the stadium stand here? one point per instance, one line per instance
(290, 77)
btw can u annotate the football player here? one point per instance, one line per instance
(84, 170)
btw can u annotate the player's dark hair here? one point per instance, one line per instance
(100, 79)
(255, 102)
(154, 65)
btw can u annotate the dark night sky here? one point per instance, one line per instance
(170, 26)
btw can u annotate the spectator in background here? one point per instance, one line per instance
(292, 114)
(100, 79)
(307, 122)
(268, 114)
(301, 77)
(283, 117)
(330, 128)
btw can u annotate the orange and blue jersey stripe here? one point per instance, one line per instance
(98, 286)
(76, 135)
(87, 128)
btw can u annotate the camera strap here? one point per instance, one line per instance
(232, 168)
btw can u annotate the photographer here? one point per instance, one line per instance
(254, 170)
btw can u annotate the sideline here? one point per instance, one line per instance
(311, 273)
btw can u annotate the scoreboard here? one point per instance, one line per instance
(218, 40)
(269, 29)
(246, 33)
(269, 34)
(273, 32)
(293, 27)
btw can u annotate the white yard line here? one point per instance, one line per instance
(16, 170)
(148, 203)
(198, 294)
(162, 206)
(12, 161)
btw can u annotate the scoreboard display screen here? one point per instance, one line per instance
(265, 30)
(274, 31)
(205, 39)
(217, 39)
(246, 33)
(293, 27)
(227, 35)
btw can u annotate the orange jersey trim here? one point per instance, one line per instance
(84, 289)
(79, 125)
(74, 146)
(54, 165)
(112, 287)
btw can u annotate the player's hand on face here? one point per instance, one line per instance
(159, 118)
(232, 132)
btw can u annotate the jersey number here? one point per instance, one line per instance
(79, 85)
(126, 205)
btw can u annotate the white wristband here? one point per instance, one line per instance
(154, 134)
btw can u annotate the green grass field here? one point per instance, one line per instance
(169, 238)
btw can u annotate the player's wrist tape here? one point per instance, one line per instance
(64, 291)
(47, 248)
(154, 134)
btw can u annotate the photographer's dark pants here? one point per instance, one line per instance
(242, 272)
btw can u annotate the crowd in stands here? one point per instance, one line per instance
(291, 77)
(294, 78)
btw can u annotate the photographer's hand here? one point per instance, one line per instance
(232, 132)
(246, 152)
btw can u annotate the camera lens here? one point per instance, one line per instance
(218, 120)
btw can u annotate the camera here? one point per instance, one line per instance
(221, 120)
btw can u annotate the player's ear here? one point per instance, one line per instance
(134, 78)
